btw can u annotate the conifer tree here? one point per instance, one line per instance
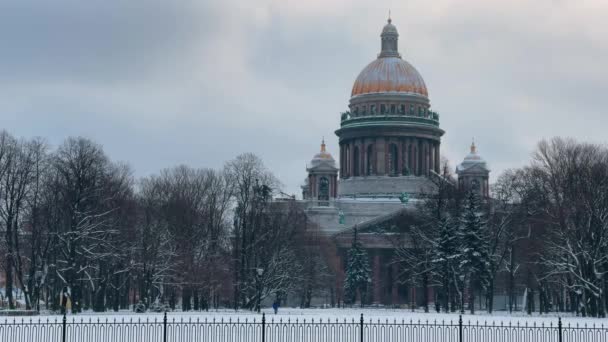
(357, 272)
(474, 260)
(446, 259)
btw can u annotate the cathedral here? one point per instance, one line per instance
(389, 140)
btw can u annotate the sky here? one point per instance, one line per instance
(160, 83)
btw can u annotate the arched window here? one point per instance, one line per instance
(475, 185)
(369, 169)
(392, 159)
(323, 189)
(356, 159)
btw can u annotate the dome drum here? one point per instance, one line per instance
(390, 137)
(390, 131)
(390, 97)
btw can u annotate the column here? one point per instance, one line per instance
(361, 158)
(437, 157)
(380, 156)
(399, 166)
(427, 158)
(408, 151)
(364, 157)
(351, 161)
(414, 167)
(403, 155)
(431, 157)
(418, 158)
(376, 282)
(345, 162)
(341, 161)
(340, 279)
(335, 178)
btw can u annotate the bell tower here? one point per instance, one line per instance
(474, 174)
(321, 186)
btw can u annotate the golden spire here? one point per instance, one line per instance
(323, 145)
(389, 16)
(473, 147)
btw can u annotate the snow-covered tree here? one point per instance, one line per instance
(474, 259)
(358, 272)
(445, 261)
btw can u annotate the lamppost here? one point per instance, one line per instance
(260, 272)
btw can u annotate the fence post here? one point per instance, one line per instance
(559, 329)
(460, 339)
(63, 328)
(361, 328)
(165, 327)
(263, 327)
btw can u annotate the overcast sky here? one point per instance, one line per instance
(160, 83)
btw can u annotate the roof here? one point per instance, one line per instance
(389, 73)
(472, 161)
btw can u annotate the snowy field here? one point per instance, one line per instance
(303, 325)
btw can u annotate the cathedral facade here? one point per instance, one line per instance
(389, 160)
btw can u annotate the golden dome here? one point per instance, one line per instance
(389, 74)
(323, 154)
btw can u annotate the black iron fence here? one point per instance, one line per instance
(287, 330)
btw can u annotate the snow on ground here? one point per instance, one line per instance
(126, 326)
(331, 314)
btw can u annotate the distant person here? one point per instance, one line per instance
(275, 307)
(64, 300)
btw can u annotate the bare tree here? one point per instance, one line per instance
(15, 173)
(253, 185)
(83, 236)
(573, 177)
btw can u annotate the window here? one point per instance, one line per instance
(402, 110)
(364, 110)
(411, 109)
(419, 111)
(475, 185)
(393, 109)
(323, 190)
(372, 109)
(382, 109)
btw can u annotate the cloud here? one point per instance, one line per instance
(160, 83)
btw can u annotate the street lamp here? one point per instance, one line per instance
(260, 273)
